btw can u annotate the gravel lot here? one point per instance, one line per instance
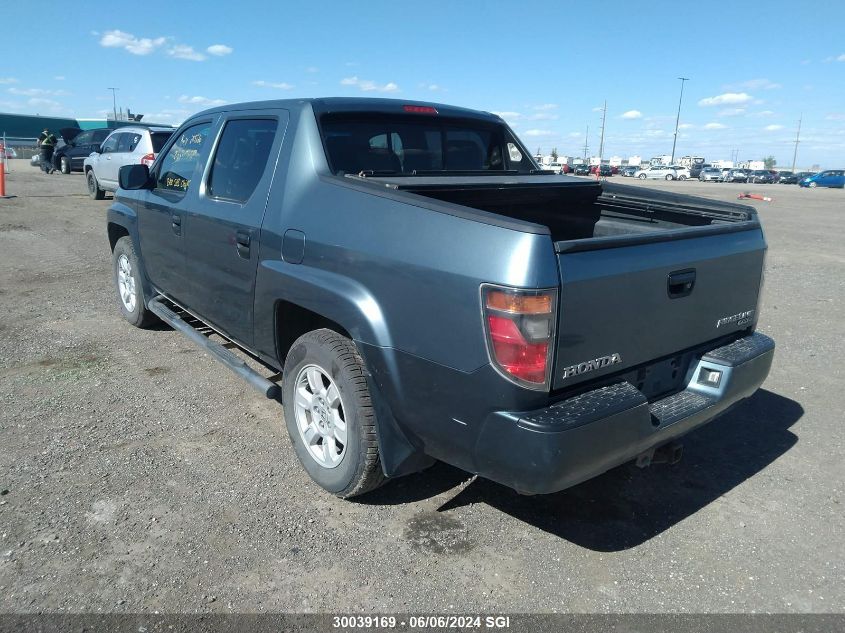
(137, 474)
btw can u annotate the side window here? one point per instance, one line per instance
(177, 167)
(110, 145)
(82, 139)
(132, 140)
(100, 135)
(123, 142)
(241, 158)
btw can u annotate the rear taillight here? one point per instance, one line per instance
(520, 329)
(148, 159)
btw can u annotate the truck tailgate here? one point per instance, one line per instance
(631, 303)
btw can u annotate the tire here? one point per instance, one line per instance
(93, 186)
(682, 178)
(128, 286)
(670, 177)
(812, 185)
(64, 165)
(324, 384)
(642, 176)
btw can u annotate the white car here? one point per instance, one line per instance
(657, 172)
(681, 172)
(125, 146)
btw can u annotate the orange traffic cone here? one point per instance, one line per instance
(753, 196)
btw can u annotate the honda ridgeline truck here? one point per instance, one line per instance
(429, 293)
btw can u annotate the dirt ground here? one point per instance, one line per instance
(137, 474)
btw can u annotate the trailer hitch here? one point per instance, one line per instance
(670, 453)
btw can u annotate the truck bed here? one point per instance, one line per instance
(574, 209)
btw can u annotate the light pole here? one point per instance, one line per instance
(114, 100)
(797, 140)
(678, 119)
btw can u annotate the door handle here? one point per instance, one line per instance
(680, 283)
(176, 223)
(242, 239)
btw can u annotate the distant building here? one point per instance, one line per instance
(725, 164)
(635, 161)
(615, 161)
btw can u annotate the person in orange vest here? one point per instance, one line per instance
(46, 145)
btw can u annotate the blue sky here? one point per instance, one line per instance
(546, 67)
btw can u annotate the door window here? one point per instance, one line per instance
(240, 158)
(82, 140)
(110, 145)
(178, 165)
(128, 141)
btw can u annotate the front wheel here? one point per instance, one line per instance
(682, 177)
(812, 185)
(94, 187)
(642, 176)
(329, 414)
(670, 177)
(65, 165)
(127, 283)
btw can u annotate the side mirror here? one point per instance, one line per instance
(134, 177)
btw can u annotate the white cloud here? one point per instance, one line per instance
(201, 101)
(686, 126)
(598, 109)
(366, 85)
(732, 112)
(632, 114)
(59, 78)
(758, 84)
(715, 126)
(37, 92)
(219, 50)
(508, 115)
(269, 84)
(546, 106)
(727, 98)
(773, 128)
(130, 43)
(312, 69)
(832, 58)
(764, 113)
(183, 51)
(538, 133)
(841, 58)
(836, 116)
(431, 87)
(8, 80)
(574, 135)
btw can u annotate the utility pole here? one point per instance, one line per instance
(114, 100)
(678, 119)
(601, 138)
(797, 140)
(586, 144)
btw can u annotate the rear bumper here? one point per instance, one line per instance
(556, 447)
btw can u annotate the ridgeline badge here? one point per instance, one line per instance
(591, 365)
(741, 318)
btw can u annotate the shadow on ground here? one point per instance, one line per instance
(627, 506)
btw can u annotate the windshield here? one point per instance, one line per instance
(410, 145)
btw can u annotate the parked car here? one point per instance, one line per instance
(787, 178)
(582, 170)
(695, 169)
(681, 172)
(257, 220)
(605, 171)
(124, 146)
(630, 170)
(761, 176)
(554, 166)
(566, 169)
(78, 145)
(829, 178)
(801, 175)
(10, 152)
(660, 172)
(711, 174)
(736, 175)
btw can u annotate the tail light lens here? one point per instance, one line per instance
(520, 329)
(148, 159)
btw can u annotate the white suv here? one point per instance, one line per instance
(125, 146)
(662, 172)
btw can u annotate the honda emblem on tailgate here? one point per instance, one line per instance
(591, 365)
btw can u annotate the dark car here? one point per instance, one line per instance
(761, 176)
(78, 146)
(629, 171)
(801, 175)
(695, 170)
(582, 170)
(606, 171)
(787, 178)
(419, 301)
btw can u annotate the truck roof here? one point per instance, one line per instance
(323, 105)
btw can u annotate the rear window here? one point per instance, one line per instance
(409, 145)
(159, 139)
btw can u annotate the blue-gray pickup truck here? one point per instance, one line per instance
(412, 287)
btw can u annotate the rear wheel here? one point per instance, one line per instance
(682, 177)
(65, 165)
(642, 176)
(93, 186)
(670, 177)
(329, 414)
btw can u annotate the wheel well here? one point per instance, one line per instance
(292, 321)
(115, 233)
